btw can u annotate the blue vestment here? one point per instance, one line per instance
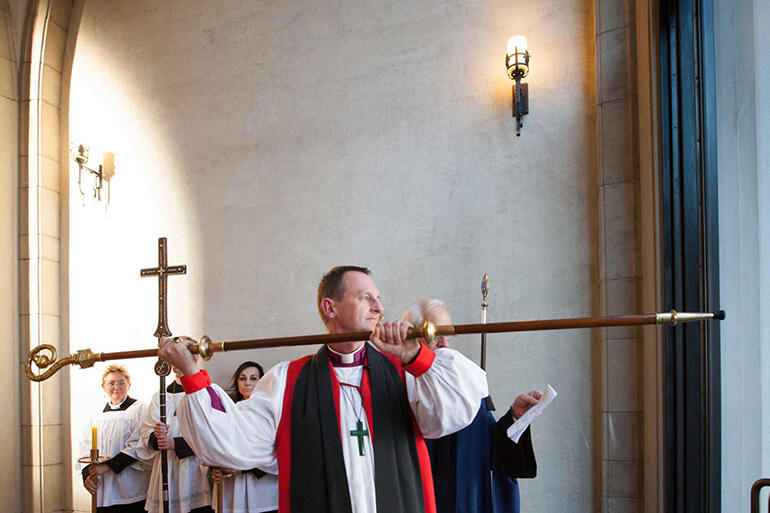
(475, 469)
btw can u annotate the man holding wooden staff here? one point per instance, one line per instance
(343, 428)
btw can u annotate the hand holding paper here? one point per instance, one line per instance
(517, 429)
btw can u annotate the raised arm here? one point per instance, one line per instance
(229, 436)
(444, 391)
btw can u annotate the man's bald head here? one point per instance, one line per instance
(433, 310)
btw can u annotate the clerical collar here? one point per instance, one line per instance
(128, 401)
(347, 360)
(174, 388)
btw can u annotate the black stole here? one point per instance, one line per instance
(318, 480)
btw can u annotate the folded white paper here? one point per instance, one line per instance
(517, 429)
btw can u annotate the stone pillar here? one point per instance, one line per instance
(44, 468)
(619, 253)
(9, 369)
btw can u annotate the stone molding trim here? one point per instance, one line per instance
(42, 186)
(630, 448)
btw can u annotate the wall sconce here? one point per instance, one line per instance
(105, 172)
(517, 64)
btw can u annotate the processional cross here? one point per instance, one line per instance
(163, 271)
(162, 368)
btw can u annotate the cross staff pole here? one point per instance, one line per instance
(206, 347)
(162, 368)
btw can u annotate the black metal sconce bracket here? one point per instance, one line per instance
(520, 103)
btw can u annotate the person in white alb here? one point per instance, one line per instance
(122, 480)
(245, 490)
(343, 428)
(188, 481)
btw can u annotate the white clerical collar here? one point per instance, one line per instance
(353, 359)
(117, 406)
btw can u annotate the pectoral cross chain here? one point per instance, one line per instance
(360, 433)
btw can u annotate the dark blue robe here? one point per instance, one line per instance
(475, 470)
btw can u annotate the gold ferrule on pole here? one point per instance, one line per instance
(207, 347)
(673, 317)
(203, 347)
(693, 316)
(428, 331)
(666, 318)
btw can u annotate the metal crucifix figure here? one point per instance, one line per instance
(162, 368)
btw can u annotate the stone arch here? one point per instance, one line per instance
(9, 369)
(46, 51)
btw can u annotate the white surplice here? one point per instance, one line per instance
(245, 493)
(444, 400)
(114, 429)
(188, 482)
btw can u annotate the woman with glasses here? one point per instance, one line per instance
(122, 480)
(246, 491)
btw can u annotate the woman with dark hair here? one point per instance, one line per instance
(244, 380)
(246, 491)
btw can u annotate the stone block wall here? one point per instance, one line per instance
(620, 272)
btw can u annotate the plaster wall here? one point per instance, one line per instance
(762, 67)
(9, 347)
(744, 192)
(272, 141)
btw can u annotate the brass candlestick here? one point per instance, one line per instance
(93, 459)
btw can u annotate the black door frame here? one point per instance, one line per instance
(692, 412)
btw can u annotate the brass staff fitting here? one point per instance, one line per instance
(85, 358)
(673, 317)
(429, 331)
(203, 348)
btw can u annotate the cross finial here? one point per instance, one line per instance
(163, 271)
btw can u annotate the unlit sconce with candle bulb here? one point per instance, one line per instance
(517, 64)
(104, 174)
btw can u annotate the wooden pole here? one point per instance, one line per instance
(205, 347)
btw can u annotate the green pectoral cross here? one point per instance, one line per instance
(360, 433)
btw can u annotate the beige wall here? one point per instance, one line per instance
(9, 348)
